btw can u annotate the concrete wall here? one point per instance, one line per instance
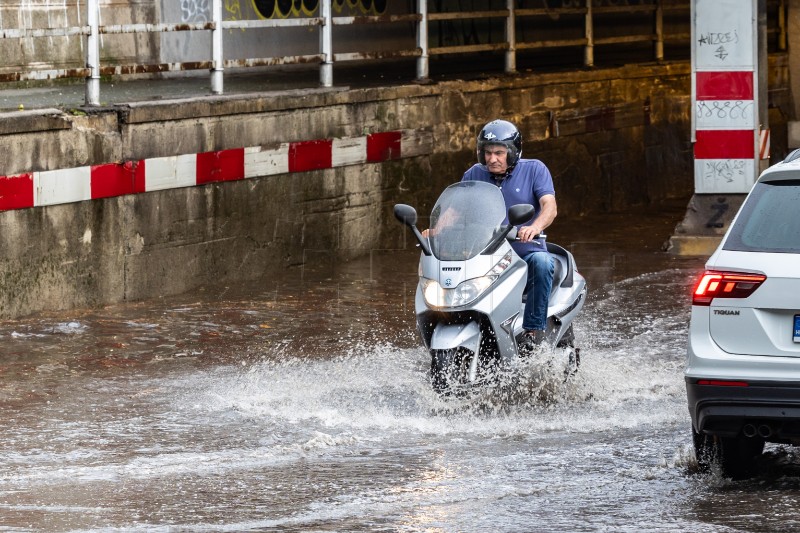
(47, 53)
(614, 139)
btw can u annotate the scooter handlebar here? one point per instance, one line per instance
(512, 236)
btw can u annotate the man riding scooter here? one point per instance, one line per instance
(522, 181)
(483, 252)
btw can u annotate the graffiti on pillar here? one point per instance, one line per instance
(720, 208)
(269, 9)
(727, 171)
(723, 33)
(195, 11)
(233, 9)
(722, 41)
(728, 114)
(199, 11)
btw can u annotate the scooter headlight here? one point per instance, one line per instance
(466, 291)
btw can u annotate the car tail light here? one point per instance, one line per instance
(725, 285)
(722, 383)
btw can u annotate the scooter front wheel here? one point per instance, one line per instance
(450, 369)
(453, 371)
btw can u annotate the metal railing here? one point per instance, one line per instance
(588, 41)
(216, 64)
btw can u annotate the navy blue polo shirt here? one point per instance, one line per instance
(528, 182)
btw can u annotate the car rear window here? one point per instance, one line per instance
(769, 220)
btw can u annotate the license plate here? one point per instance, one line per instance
(796, 336)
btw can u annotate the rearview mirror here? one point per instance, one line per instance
(520, 214)
(408, 216)
(405, 214)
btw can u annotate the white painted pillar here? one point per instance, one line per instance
(726, 95)
(93, 53)
(659, 26)
(326, 44)
(422, 40)
(729, 117)
(588, 51)
(511, 38)
(217, 56)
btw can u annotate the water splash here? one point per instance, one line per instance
(385, 389)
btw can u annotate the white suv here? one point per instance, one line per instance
(743, 358)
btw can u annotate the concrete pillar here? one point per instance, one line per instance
(793, 29)
(725, 166)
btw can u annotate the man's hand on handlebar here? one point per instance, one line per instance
(527, 234)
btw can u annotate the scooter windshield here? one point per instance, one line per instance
(465, 219)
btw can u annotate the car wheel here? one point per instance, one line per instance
(706, 451)
(735, 455)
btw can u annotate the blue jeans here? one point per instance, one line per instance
(540, 280)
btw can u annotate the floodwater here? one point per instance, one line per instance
(302, 404)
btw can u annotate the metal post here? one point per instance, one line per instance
(659, 31)
(588, 51)
(93, 53)
(422, 40)
(326, 45)
(511, 38)
(782, 26)
(216, 48)
(762, 82)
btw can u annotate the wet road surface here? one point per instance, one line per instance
(302, 404)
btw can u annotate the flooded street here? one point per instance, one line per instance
(303, 404)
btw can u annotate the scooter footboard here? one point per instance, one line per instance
(561, 318)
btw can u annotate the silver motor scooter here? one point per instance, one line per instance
(470, 297)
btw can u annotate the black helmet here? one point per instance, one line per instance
(503, 133)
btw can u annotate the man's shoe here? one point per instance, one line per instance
(530, 340)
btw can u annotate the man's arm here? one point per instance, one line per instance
(546, 217)
(448, 218)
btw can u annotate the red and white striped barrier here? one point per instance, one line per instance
(724, 150)
(726, 121)
(764, 148)
(35, 189)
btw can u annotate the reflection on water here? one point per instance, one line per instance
(303, 404)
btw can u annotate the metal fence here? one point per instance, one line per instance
(586, 13)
